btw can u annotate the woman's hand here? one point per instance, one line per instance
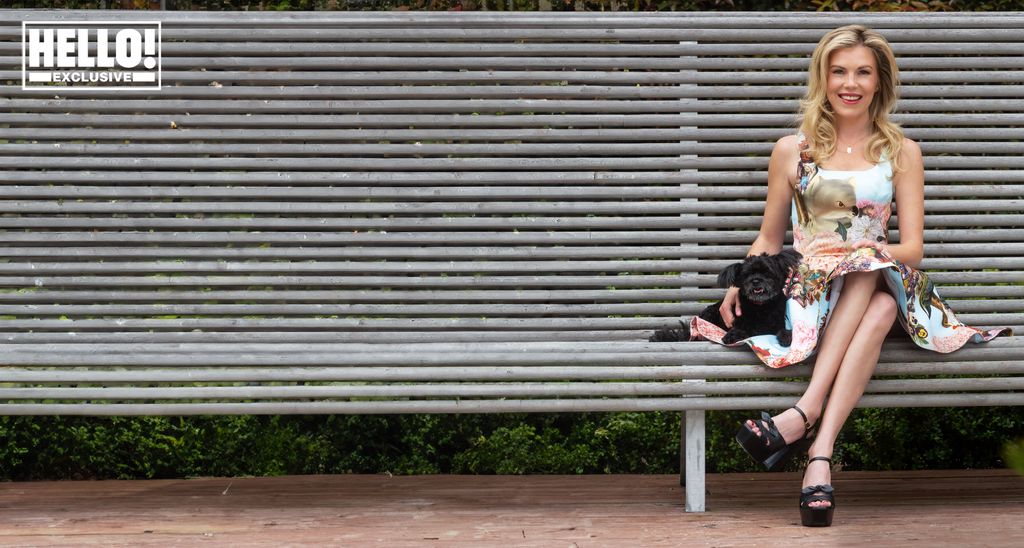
(869, 243)
(878, 246)
(730, 303)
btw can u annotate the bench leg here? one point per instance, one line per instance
(693, 454)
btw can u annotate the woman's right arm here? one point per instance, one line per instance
(782, 173)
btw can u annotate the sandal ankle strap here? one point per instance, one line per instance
(807, 423)
(826, 459)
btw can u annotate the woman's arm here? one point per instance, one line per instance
(781, 176)
(782, 171)
(909, 194)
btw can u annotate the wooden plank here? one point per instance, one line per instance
(934, 508)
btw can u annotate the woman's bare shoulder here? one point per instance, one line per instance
(788, 141)
(787, 147)
(785, 155)
(910, 150)
(786, 150)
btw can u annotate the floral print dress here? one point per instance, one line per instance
(833, 210)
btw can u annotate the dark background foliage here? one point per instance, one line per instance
(33, 448)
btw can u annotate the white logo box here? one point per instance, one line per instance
(77, 54)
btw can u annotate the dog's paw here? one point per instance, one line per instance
(669, 334)
(733, 336)
(785, 337)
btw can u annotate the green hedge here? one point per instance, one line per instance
(36, 448)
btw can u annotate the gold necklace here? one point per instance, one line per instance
(849, 148)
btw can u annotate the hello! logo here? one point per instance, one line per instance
(93, 55)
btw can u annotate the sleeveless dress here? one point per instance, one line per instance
(833, 210)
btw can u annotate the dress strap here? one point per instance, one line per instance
(805, 171)
(806, 168)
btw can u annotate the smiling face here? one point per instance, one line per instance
(852, 81)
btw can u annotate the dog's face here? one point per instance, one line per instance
(760, 277)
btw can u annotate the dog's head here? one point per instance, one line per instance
(760, 277)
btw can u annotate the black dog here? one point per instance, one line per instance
(761, 279)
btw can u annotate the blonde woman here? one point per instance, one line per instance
(835, 181)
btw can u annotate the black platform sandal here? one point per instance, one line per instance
(773, 453)
(821, 516)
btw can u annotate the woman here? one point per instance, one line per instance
(836, 180)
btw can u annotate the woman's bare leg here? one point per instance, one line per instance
(855, 371)
(846, 319)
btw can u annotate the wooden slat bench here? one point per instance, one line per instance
(465, 213)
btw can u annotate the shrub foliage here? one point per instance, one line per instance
(35, 448)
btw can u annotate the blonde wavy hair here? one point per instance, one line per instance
(818, 122)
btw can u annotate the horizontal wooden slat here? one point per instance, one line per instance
(455, 179)
(304, 121)
(933, 193)
(494, 390)
(321, 253)
(507, 405)
(41, 295)
(435, 208)
(369, 296)
(369, 135)
(385, 239)
(405, 194)
(928, 136)
(406, 310)
(491, 149)
(580, 355)
(441, 280)
(485, 19)
(401, 178)
(705, 94)
(359, 267)
(1014, 263)
(307, 121)
(336, 107)
(445, 57)
(991, 30)
(457, 77)
(356, 224)
(667, 162)
(555, 325)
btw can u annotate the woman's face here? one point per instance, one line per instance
(852, 81)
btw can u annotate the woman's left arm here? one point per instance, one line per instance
(909, 193)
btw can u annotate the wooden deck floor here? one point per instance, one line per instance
(937, 508)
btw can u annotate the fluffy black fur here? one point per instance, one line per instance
(761, 279)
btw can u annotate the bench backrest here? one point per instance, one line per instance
(442, 172)
(356, 176)
(543, 183)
